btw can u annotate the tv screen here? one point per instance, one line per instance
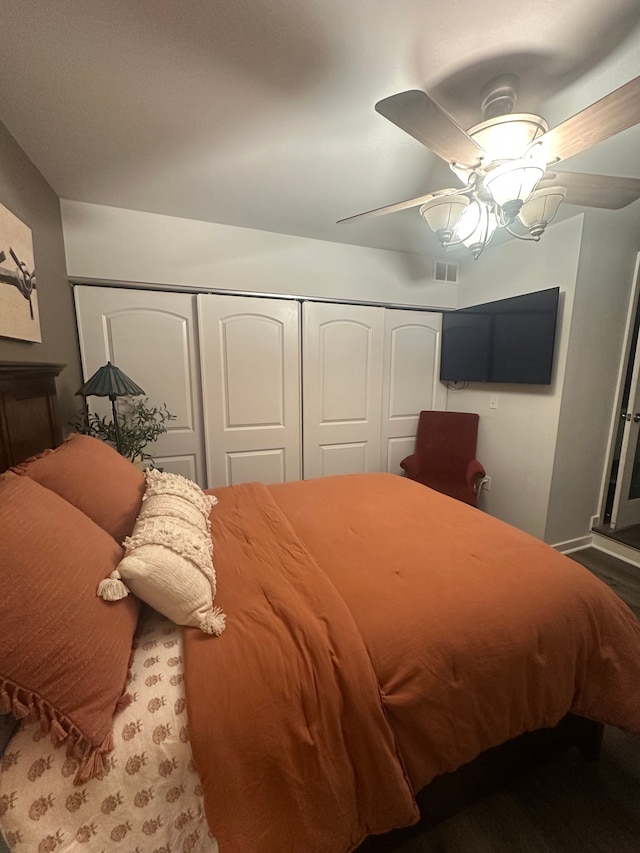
(510, 340)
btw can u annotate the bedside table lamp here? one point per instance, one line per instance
(109, 381)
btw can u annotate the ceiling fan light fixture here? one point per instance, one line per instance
(541, 209)
(508, 137)
(477, 227)
(511, 184)
(501, 161)
(442, 215)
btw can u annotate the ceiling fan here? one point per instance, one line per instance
(506, 164)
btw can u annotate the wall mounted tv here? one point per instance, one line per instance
(511, 340)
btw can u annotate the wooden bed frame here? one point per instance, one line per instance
(29, 416)
(30, 423)
(451, 793)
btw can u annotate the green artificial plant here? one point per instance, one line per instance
(139, 424)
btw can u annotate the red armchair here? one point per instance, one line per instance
(444, 458)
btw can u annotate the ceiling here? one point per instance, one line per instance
(260, 113)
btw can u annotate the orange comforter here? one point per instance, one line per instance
(380, 633)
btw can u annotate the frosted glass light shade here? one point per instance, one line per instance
(540, 209)
(476, 228)
(509, 136)
(442, 215)
(511, 184)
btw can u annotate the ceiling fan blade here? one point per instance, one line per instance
(400, 205)
(604, 191)
(421, 117)
(612, 114)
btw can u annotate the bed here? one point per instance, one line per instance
(381, 639)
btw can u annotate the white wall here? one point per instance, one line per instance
(543, 446)
(516, 441)
(110, 244)
(611, 240)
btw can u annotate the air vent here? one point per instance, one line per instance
(445, 271)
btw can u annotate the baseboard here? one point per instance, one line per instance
(600, 543)
(574, 544)
(616, 549)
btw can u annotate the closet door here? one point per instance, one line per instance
(250, 358)
(150, 335)
(342, 388)
(410, 381)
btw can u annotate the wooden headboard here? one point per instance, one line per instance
(29, 416)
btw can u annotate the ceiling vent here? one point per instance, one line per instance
(445, 271)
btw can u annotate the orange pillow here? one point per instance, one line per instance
(64, 652)
(93, 477)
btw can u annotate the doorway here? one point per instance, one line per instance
(621, 512)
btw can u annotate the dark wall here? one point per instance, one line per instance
(28, 196)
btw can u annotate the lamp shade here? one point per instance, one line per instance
(540, 209)
(443, 213)
(511, 184)
(109, 381)
(476, 227)
(508, 136)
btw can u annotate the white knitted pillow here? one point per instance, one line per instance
(168, 557)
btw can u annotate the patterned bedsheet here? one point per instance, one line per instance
(149, 800)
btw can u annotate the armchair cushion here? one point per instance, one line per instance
(444, 457)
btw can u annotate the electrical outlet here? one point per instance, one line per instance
(485, 484)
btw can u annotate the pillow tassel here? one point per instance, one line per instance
(213, 622)
(113, 588)
(92, 765)
(5, 702)
(58, 734)
(20, 710)
(124, 701)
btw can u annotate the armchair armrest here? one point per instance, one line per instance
(411, 466)
(475, 473)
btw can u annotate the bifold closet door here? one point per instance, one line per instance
(250, 364)
(151, 336)
(410, 380)
(342, 388)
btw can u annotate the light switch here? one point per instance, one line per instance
(493, 401)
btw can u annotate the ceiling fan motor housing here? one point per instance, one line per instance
(499, 95)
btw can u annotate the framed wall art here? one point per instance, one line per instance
(19, 316)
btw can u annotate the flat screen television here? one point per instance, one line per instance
(510, 340)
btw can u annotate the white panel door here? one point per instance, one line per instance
(626, 500)
(410, 381)
(150, 335)
(342, 387)
(250, 359)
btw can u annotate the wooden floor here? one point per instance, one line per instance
(567, 805)
(620, 576)
(627, 535)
